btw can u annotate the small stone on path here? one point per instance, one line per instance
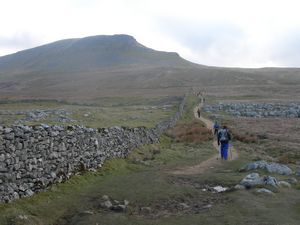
(184, 205)
(220, 189)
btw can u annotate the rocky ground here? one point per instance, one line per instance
(39, 115)
(90, 116)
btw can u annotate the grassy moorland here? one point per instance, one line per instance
(156, 195)
(104, 112)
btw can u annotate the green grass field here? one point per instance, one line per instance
(105, 112)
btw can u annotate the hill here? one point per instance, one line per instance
(88, 68)
(62, 68)
(87, 54)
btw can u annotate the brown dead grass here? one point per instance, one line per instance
(244, 137)
(274, 137)
(287, 158)
(193, 132)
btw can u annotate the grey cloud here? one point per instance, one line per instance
(285, 49)
(201, 36)
(214, 43)
(220, 43)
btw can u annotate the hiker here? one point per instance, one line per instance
(199, 112)
(223, 139)
(216, 128)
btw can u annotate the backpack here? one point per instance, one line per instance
(223, 135)
(216, 126)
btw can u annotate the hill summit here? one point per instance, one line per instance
(88, 68)
(89, 53)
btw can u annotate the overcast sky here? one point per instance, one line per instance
(254, 33)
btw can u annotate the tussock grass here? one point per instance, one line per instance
(194, 132)
(244, 137)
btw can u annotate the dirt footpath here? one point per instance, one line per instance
(212, 162)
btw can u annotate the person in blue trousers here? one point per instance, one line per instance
(223, 139)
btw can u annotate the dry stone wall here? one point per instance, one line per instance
(257, 110)
(32, 158)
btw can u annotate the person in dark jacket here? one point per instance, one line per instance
(223, 139)
(199, 112)
(216, 128)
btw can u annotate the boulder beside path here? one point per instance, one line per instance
(269, 166)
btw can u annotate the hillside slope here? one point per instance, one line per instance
(117, 65)
(89, 53)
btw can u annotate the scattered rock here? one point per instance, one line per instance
(292, 180)
(253, 179)
(146, 210)
(219, 189)
(116, 202)
(207, 206)
(278, 168)
(107, 204)
(183, 206)
(254, 165)
(138, 161)
(114, 205)
(239, 187)
(88, 212)
(270, 167)
(268, 180)
(284, 184)
(264, 190)
(22, 217)
(105, 197)
(119, 208)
